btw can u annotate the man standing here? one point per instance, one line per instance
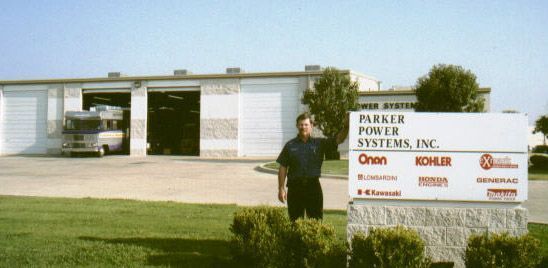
(301, 161)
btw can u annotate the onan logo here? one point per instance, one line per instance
(372, 160)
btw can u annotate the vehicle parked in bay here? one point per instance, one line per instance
(102, 130)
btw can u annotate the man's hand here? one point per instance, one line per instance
(282, 195)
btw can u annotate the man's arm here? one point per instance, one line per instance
(282, 173)
(341, 136)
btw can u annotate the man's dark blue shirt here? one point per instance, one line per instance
(304, 159)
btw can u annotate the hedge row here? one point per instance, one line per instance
(539, 161)
(264, 237)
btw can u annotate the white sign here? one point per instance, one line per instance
(438, 156)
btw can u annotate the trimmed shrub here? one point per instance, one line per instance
(540, 149)
(539, 161)
(264, 237)
(257, 233)
(388, 247)
(502, 250)
(313, 243)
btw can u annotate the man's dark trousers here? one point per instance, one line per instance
(305, 195)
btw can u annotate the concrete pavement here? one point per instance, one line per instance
(175, 178)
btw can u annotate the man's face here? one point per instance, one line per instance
(305, 127)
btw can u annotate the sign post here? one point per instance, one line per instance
(447, 173)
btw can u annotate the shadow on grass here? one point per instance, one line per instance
(178, 252)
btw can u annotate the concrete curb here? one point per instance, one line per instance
(264, 169)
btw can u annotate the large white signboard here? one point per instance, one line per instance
(438, 156)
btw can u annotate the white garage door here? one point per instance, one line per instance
(24, 122)
(268, 108)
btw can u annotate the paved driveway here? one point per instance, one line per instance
(175, 178)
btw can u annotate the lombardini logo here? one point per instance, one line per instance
(425, 181)
(372, 192)
(377, 177)
(372, 160)
(502, 194)
(441, 161)
(487, 162)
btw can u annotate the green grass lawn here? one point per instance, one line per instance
(536, 174)
(98, 233)
(332, 167)
(340, 167)
(64, 232)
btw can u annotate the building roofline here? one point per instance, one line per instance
(164, 77)
(364, 75)
(406, 92)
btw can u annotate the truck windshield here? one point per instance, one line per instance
(78, 124)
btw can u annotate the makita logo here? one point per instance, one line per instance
(372, 192)
(372, 160)
(441, 161)
(502, 194)
(487, 162)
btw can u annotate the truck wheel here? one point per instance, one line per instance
(101, 152)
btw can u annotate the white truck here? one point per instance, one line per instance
(99, 131)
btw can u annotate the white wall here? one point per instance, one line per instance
(366, 83)
(1, 115)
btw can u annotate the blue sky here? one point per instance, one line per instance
(505, 43)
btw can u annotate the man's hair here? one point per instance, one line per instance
(304, 116)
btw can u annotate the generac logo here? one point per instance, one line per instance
(372, 160)
(487, 162)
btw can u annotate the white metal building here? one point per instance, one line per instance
(235, 114)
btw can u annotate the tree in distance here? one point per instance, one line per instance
(334, 94)
(541, 125)
(448, 88)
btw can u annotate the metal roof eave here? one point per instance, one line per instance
(163, 77)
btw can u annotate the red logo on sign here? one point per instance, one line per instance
(442, 161)
(426, 181)
(374, 192)
(502, 194)
(486, 161)
(372, 160)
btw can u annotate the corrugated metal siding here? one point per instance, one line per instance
(267, 116)
(24, 122)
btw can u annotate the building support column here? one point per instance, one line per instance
(72, 98)
(55, 119)
(219, 112)
(138, 125)
(1, 115)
